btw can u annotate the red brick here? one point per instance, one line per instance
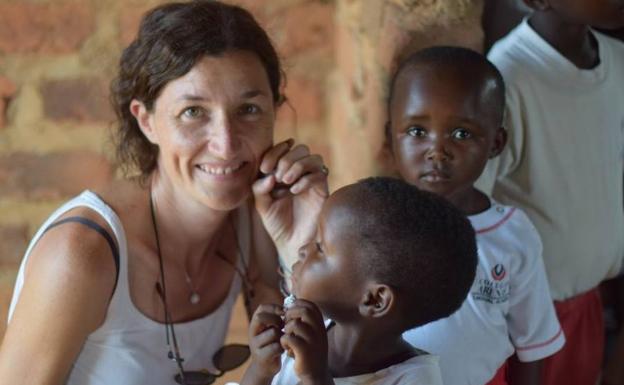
(52, 176)
(129, 21)
(309, 26)
(7, 90)
(45, 28)
(306, 97)
(130, 18)
(13, 242)
(82, 99)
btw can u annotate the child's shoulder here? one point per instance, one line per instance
(498, 218)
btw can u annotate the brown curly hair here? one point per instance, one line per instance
(171, 39)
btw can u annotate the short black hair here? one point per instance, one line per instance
(417, 243)
(467, 63)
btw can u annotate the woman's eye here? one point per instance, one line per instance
(318, 248)
(461, 133)
(192, 112)
(416, 131)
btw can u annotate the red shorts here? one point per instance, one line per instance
(579, 361)
(500, 378)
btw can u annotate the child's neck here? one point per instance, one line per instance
(355, 350)
(470, 201)
(573, 41)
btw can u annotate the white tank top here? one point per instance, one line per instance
(130, 348)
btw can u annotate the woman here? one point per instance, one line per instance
(111, 272)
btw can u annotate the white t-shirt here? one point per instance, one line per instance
(563, 163)
(129, 348)
(419, 370)
(508, 308)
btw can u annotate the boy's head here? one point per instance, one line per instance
(607, 14)
(445, 113)
(385, 248)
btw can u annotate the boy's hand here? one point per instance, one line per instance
(289, 196)
(305, 338)
(265, 331)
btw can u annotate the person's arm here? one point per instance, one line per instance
(289, 197)
(524, 373)
(69, 279)
(532, 321)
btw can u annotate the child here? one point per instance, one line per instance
(445, 112)
(386, 258)
(563, 165)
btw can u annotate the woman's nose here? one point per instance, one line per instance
(224, 141)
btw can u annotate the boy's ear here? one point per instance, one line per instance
(538, 5)
(144, 120)
(377, 301)
(500, 140)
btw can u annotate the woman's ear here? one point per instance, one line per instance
(144, 120)
(378, 301)
(500, 140)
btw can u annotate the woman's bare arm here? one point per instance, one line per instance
(69, 280)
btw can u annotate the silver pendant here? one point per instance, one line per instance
(194, 298)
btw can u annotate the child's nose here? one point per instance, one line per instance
(438, 151)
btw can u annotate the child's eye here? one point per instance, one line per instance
(318, 248)
(192, 112)
(416, 131)
(249, 109)
(461, 133)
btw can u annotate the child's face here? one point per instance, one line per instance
(441, 130)
(608, 14)
(326, 272)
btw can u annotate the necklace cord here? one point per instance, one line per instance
(162, 291)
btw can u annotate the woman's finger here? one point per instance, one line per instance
(273, 155)
(302, 166)
(284, 163)
(310, 180)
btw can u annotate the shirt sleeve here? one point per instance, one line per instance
(533, 325)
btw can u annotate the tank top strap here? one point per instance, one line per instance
(86, 199)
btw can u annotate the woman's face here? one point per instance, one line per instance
(212, 127)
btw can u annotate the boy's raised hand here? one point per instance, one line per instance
(305, 338)
(265, 331)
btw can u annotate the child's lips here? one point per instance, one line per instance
(435, 176)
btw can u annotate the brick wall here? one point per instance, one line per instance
(58, 56)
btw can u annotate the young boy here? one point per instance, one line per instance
(445, 113)
(386, 258)
(563, 165)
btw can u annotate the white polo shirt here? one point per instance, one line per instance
(508, 308)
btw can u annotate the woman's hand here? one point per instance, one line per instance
(265, 331)
(290, 196)
(305, 338)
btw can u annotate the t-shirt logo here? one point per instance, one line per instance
(498, 272)
(493, 290)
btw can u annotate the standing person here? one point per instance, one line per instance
(118, 281)
(563, 165)
(386, 257)
(445, 113)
